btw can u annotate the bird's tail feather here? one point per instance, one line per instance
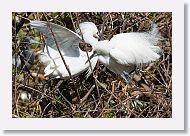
(156, 49)
(155, 35)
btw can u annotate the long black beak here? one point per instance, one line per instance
(96, 36)
(91, 56)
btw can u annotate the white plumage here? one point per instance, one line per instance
(126, 50)
(68, 42)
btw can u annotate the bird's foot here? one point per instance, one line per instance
(124, 90)
(138, 68)
(73, 107)
(142, 71)
(38, 108)
(128, 77)
(113, 84)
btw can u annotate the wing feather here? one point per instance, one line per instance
(120, 57)
(68, 41)
(134, 49)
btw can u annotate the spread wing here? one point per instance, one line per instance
(68, 41)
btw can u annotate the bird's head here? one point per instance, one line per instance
(101, 49)
(88, 29)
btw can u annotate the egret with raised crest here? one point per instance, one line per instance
(124, 52)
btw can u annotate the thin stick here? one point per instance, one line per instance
(23, 19)
(89, 62)
(87, 94)
(138, 79)
(32, 89)
(62, 56)
(68, 102)
(15, 72)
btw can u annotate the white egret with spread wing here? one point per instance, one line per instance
(68, 43)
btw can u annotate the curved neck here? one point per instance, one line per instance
(88, 38)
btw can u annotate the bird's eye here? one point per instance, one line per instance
(95, 52)
(85, 47)
(96, 36)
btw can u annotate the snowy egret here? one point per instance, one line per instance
(25, 57)
(125, 51)
(68, 42)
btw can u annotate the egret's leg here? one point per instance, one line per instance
(127, 77)
(138, 68)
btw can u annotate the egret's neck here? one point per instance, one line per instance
(88, 38)
(104, 60)
(102, 48)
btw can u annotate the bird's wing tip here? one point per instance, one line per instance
(37, 23)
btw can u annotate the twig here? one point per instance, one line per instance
(138, 79)
(95, 79)
(87, 94)
(68, 102)
(23, 19)
(102, 27)
(107, 103)
(15, 72)
(108, 90)
(146, 17)
(32, 89)
(62, 56)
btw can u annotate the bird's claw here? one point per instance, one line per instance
(38, 108)
(124, 90)
(73, 107)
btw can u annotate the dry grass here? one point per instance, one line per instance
(148, 96)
